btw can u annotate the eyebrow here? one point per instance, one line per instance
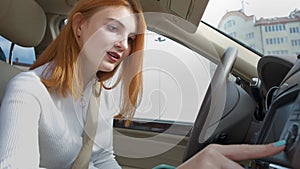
(115, 20)
(122, 25)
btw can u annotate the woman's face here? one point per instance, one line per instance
(107, 36)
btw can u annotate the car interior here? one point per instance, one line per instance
(242, 110)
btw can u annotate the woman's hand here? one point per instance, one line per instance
(224, 156)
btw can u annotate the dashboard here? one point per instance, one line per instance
(282, 104)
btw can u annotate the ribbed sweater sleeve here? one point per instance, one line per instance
(19, 118)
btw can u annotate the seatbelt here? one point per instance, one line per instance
(90, 129)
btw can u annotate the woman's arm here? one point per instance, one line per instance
(224, 156)
(19, 116)
(105, 159)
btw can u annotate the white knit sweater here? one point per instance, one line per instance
(42, 130)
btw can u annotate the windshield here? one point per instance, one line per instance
(269, 27)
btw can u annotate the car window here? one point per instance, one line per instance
(22, 57)
(175, 80)
(264, 26)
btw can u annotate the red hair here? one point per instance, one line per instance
(63, 52)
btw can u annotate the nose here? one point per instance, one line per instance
(122, 44)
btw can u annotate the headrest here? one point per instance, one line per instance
(22, 21)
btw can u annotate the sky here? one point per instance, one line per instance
(260, 8)
(25, 55)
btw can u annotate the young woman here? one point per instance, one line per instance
(44, 111)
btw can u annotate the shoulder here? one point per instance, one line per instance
(25, 78)
(26, 82)
(28, 79)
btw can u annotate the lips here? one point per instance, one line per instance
(113, 56)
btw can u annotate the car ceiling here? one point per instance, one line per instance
(190, 10)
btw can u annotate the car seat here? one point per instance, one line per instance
(24, 24)
(7, 72)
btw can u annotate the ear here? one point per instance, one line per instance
(77, 23)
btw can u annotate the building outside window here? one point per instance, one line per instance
(267, 33)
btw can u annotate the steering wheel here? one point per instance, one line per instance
(213, 105)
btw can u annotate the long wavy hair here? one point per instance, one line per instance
(63, 53)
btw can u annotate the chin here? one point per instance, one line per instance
(106, 69)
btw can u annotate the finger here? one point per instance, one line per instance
(246, 152)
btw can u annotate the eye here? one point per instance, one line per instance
(112, 28)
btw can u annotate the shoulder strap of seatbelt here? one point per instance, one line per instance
(90, 129)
